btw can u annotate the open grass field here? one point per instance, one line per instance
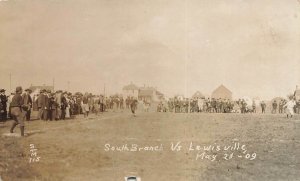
(83, 149)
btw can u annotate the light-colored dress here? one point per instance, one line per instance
(200, 103)
(68, 109)
(290, 107)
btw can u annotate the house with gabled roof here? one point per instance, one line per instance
(221, 92)
(130, 90)
(150, 94)
(198, 95)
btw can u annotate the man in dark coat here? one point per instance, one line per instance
(28, 102)
(214, 105)
(64, 105)
(274, 106)
(46, 110)
(263, 107)
(18, 111)
(3, 111)
(133, 106)
(41, 103)
(52, 107)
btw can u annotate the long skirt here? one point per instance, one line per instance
(68, 112)
(85, 108)
(290, 111)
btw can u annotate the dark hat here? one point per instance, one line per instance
(19, 89)
(28, 90)
(2, 90)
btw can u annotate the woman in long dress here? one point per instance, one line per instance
(68, 108)
(290, 107)
(97, 105)
(114, 103)
(58, 97)
(146, 106)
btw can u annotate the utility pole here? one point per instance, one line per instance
(104, 90)
(10, 83)
(53, 83)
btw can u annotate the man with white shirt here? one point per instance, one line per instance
(3, 110)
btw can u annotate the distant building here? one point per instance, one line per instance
(130, 90)
(222, 92)
(150, 94)
(198, 95)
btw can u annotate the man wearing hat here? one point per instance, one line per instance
(133, 106)
(64, 105)
(84, 105)
(28, 102)
(18, 111)
(52, 107)
(41, 103)
(58, 97)
(46, 111)
(3, 111)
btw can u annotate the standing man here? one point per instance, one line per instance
(64, 105)
(41, 104)
(177, 105)
(91, 102)
(9, 99)
(27, 102)
(214, 105)
(274, 105)
(58, 96)
(102, 103)
(46, 107)
(263, 107)
(133, 106)
(85, 106)
(121, 103)
(253, 107)
(3, 111)
(127, 101)
(18, 111)
(280, 107)
(298, 106)
(52, 107)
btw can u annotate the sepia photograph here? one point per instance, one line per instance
(149, 90)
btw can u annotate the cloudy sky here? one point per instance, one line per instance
(250, 46)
